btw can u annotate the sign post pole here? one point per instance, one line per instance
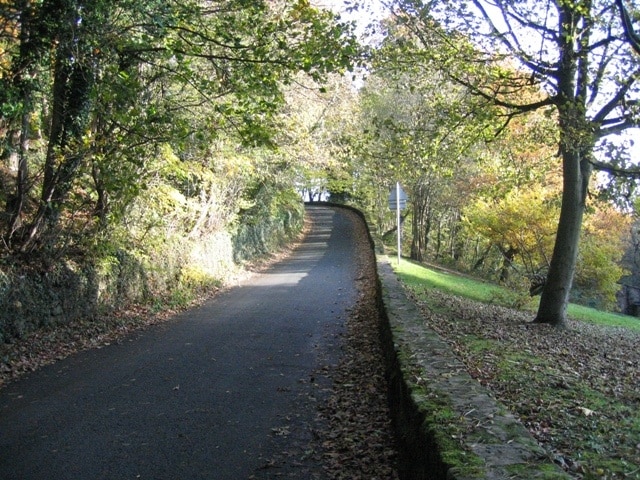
(397, 202)
(398, 219)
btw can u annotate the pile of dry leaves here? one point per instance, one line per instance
(358, 441)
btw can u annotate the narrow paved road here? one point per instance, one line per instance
(220, 392)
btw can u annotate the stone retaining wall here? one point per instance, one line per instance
(70, 291)
(430, 390)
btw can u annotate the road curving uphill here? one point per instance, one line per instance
(234, 389)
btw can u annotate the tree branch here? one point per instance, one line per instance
(520, 108)
(617, 126)
(632, 37)
(511, 42)
(616, 171)
(617, 99)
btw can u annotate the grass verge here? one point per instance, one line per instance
(413, 274)
(576, 390)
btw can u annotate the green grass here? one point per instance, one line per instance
(592, 315)
(571, 398)
(414, 275)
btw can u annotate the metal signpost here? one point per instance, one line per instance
(397, 202)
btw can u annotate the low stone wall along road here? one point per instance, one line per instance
(224, 391)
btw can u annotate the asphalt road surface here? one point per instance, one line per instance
(228, 390)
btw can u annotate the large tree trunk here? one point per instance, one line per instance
(576, 147)
(576, 174)
(555, 295)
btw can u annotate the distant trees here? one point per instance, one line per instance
(483, 176)
(578, 55)
(318, 122)
(421, 129)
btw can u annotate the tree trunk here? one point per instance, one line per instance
(555, 295)
(576, 147)
(427, 226)
(73, 80)
(419, 197)
(23, 71)
(55, 155)
(457, 243)
(508, 255)
(22, 175)
(416, 238)
(438, 239)
(481, 257)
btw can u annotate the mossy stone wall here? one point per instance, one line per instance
(69, 291)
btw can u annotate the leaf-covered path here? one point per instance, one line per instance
(279, 377)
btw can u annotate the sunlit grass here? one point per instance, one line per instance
(571, 389)
(413, 275)
(592, 315)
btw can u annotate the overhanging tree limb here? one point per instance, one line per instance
(632, 37)
(630, 173)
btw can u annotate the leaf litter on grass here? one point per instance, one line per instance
(576, 390)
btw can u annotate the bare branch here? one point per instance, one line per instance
(605, 60)
(616, 171)
(632, 37)
(511, 42)
(616, 126)
(617, 99)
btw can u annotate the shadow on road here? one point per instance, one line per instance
(223, 391)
